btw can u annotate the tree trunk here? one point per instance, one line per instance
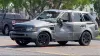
(59, 4)
(16, 10)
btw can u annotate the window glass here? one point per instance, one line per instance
(86, 17)
(9, 16)
(1, 16)
(65, 16)
(49, 16)
(77, 17)
(18, 17)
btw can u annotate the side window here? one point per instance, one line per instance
(77, 17)
(9, 16)
(1, 16)
(18, 17)
(66, 17)
(86, 17)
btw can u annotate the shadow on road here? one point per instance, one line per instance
(2, 34)
(34, 46)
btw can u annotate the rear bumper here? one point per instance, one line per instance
(31, 36)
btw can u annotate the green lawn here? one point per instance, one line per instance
(98, 35)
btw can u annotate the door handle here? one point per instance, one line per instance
(91, 23)
(83, 26)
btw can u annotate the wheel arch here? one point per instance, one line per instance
(89, 32)
(47, 31)
(49, 34)
(5, 26)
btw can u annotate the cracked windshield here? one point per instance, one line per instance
(49, 27)
(49, 16)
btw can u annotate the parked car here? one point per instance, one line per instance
(9, 19)
(56, 25)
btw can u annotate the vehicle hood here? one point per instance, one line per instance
(36, 23)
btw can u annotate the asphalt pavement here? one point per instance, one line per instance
(10, 48)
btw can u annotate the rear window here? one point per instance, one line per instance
(1, 16)
(14, 16)
(18, 17)
(86, 17)
(9, 16)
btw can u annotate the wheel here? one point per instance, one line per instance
(6, 30)
(21, 42)
(3, 32)
(85, 38)
(43, 39)
(62, 42)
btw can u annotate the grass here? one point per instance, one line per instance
(98, 35)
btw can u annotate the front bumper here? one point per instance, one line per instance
(23, 35)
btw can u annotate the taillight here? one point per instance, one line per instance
(13, 22)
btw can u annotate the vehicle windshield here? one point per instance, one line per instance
(49, 16)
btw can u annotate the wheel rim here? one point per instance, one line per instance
(43, 39)
(21, 42)
(6, 30)
(86, 38)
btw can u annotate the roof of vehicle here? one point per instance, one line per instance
(11, 13)
(66, 11)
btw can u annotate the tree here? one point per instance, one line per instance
(36, 6)
(83, 3)
(69, 4)
(97, 6)
(17, 5)
(4, 4)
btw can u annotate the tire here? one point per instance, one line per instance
(3, 32)
(6, 30)
(85, 39)
(22, 42)
(43, 39)
(62, 42)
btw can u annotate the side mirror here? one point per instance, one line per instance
(81, 20)
(60, 22)
(65, 20)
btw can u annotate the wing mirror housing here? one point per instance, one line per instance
(60, 22)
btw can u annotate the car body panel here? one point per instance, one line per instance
(7, 19)
(67, 32)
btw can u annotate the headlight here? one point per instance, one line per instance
(31, 29)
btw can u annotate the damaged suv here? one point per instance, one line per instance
(56, 25)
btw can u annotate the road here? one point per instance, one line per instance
(9, 47)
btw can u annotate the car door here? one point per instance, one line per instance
(91, 24)
(64, 32)
(1, 18)
(78, 26)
